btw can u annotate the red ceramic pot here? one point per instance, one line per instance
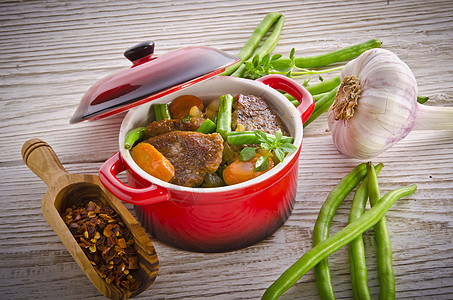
(223, 218)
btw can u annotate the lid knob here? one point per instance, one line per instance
(140, 50)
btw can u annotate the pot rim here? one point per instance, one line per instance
(277, 100)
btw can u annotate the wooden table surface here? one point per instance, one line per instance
(53, 51)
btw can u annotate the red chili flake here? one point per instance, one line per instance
(106, 241)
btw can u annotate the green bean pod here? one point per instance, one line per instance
(292, 99)
(134, 136)
(356, 248)
(225, 114)
(161, 111)
(322, 225)
(322, 60)
(319, 96)
(383, 242)
(253, 41)
(332, 244)
(322, 105)
(324, 86)
(296, 102)
(266, 48)
(242, 138)
(207, 127)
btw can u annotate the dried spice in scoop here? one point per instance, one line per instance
(106, 241)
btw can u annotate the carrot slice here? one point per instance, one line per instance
(147, 157)
(180, 107)
(240, 171)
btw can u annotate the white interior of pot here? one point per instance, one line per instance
(209, 90)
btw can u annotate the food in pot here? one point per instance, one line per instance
(231, 140)
(183, 105)
(239, 170)
(253, 113)
(166, 125)
(193, 154)
(153, 162)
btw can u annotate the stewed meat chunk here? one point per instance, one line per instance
(166, 125)
(253, 113)
(192, 154)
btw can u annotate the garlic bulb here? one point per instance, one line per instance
(376, 106)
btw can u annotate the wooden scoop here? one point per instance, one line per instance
(67, 189)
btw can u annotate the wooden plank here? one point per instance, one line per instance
(53, 51)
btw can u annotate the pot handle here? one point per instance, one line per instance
(295, 89)
(144, 196)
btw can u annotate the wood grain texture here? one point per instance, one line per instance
(51, 52)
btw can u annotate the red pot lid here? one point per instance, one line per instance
(149, 78)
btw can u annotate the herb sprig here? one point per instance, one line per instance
(278, 144)
(259, 67)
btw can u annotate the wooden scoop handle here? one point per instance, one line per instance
(42, 160)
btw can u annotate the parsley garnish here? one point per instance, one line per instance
(277, 144)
